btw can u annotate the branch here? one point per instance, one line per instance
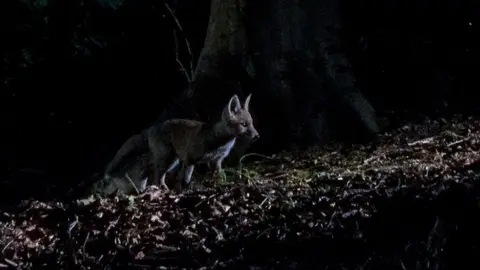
(187, 44)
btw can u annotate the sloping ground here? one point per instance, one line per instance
(412, 202)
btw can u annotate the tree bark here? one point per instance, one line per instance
(289, 55)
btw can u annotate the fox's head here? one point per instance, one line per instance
(237, 119)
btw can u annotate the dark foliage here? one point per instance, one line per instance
(410, 203)
(79, 77)
(415, 56)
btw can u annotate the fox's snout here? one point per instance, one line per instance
(254, 135)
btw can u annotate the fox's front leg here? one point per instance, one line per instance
(159, 173)
(172, 166)
(158, 152)
(161, 154)
(184, 177)
(157, 180)
(188, 174)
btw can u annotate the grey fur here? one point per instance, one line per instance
(146, 158)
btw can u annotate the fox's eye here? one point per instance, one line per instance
(244, 124)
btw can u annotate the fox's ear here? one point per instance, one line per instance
(233, 106)
(247, 102)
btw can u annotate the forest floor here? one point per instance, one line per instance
(410, 202)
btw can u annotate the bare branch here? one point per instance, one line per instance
(187, 44)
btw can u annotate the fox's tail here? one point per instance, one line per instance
(83, 188)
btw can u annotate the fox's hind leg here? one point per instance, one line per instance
(184, 177)
(160, 153)
(170, 168)
(188, 174)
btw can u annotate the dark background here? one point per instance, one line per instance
(78, 78)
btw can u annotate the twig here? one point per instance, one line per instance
(187, 44)
(240, 162)
(422, 141)
(370, 159)
(111, 225)
(131, 182)
(456, 142)
(10, 262)
(266, 198)
(84, 244)
(7, 228)
(253, 154)
(279, 176)
(182, 67)
(100, 258)
(72, 225)
(6, 246)
(253, 183)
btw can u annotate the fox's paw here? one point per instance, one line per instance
(219, 177)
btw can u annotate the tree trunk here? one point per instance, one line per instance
(289, 55)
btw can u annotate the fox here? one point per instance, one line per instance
(128, 171)
(184, 143)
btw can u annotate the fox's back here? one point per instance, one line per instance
(129, 153)
(184, 135)
(182, 127)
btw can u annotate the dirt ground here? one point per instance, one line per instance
(410, 202)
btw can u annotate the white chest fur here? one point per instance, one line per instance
(221, 152)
